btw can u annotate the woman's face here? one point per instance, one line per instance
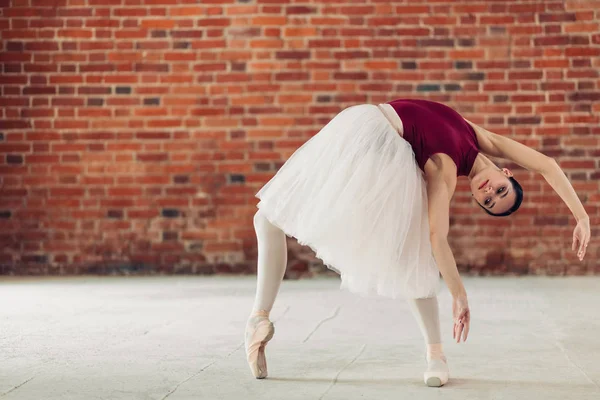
(492, 189)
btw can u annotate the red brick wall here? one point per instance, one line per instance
(135, 133)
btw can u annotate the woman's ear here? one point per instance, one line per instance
(507, 172)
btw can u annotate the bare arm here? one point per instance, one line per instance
(561, 185)
(503, 147)
(439, 222)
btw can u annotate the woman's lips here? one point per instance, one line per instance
(483, 184)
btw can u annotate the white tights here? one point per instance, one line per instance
(272, 260)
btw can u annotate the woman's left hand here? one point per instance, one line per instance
(581, 237)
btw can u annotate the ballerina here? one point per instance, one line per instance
(370, 194)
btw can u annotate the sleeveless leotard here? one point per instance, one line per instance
(432, 128)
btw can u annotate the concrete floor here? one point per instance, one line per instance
(182, 338)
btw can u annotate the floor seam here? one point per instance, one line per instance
(335, 379)
(16, 387)
(335, 313)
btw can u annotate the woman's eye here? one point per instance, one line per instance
(487, 201)
(500, 190)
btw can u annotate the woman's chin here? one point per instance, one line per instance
(476, 180)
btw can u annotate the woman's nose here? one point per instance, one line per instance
(488, 189)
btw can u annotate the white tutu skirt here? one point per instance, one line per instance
(355, 195)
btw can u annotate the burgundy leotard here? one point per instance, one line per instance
(432, 127)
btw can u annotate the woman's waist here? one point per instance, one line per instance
(393, 117)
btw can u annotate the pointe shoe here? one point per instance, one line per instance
(437, 373)
(259, 330)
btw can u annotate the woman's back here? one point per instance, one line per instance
(432, 128)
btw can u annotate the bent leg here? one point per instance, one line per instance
(426, 312)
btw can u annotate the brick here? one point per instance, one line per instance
(497, 19)
(551, 41)
(75, 33)
(525, 75)
(414, 9)
(131, 34)
(188, 33)
(428, 87)
(357, 10)
(214, 22)
(551, 63)
(151, 67)
(142, 213)
(436, 42)
(556, 17)
(123, 90)
(467, 54)
(358, 75)
(180, 56)
(124, 191)
(130, 12)
(41, 90)
(452, 87)
(15, 147)
(14, 124)
(474, 76)
(581, 28)
(584, 96)
(67, 191)
(170, 213)
(527, 120)
(292, 55)
(158, 24)
(582, 52)
(15, 46)
(152, 157)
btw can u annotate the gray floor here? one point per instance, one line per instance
(182, 338)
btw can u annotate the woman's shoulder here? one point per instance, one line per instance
(441, 165)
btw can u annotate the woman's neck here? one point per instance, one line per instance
(481, 162)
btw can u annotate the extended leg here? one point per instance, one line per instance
(272, 260)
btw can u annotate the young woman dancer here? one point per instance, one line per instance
(370, 194)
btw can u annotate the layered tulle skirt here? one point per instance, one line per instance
(354, 193)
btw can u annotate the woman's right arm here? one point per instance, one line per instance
(439, 221)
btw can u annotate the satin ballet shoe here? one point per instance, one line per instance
(437, 373)
(259, 330)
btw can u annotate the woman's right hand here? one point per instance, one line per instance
(462, 318)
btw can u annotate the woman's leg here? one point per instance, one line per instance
(272, 260)
(426, 312)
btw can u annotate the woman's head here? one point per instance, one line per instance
(497, 192)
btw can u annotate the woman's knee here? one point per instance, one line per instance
(261, 223)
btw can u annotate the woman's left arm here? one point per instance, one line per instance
(561, 185)
(532, 160)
